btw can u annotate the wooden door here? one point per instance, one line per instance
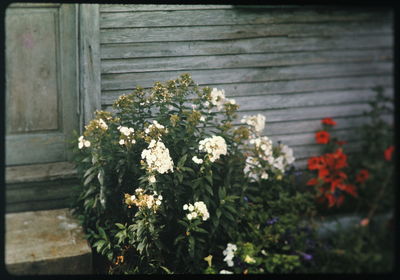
(41, 82)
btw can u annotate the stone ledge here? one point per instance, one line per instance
(45, 242)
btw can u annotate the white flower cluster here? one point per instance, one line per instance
(83, 143)
(199, 209)
(155, 126)
(142, 200)
(215, 146)
(126, 135)
(197, 160)
(229, 253)
(100, 123)
(157, 157)
(254, 168)
(256, 121)
(225, 272)
(218, 98)
(284, 159)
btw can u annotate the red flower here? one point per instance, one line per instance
(362, 176)
(328, 121)
(341, 143)
(316, 163)
(322, 137)
(312, 182)
(340, 159)
(388, 153)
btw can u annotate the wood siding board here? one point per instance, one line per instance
(310, 126)
(28, 149)
(206, 77)
(152, 7)
(126, 19)
(40, 191)
(130, 35)
(282, 87)
(243, 46)
(90, 72)
(242, 60)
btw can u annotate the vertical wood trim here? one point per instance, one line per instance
(89, 43)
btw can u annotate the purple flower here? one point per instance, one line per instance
(272, 221)
(246, 199)
(305, 256)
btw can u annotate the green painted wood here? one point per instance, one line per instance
(89, 60)
(230, 16)
(247, 75)
(129, 35)
(243, 46)
(40, 83)
(278, 87)
(242, 60)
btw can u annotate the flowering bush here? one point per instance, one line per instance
(168, 181)
(332, 181)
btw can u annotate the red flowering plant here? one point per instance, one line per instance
(331, 181)
(375, 161)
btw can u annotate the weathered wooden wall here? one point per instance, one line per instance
(296, 65)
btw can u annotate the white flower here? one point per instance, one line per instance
(264, 175)
(189, 216)
(225, 272)
(287, 154)
(197, 160)
(256, 121)
(158, 202)
(126, 130)
(160, 197)
(133, 197)
(152, 179)
(218, 98)
(157, 157)
(83, 143)
(122, 142)
(133, 141)
(215, 146)
(202, 118)
(229, 253)
(102, 124)
(199, 209)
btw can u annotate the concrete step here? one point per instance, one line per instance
(45, 242)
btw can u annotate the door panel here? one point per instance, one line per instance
(41, 82)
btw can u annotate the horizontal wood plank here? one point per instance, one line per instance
(206, 77)
(277, 87)
(124, 19)
(243, 46)
(39, 172)
(198, 33)
(242, 60)
(153, 7)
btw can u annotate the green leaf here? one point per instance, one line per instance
(179, 238)
(209, 189)
(89, 171)
(166, 270)
(100, 177)
(182, 160)
(198, 229)
(120, 226)
(89, 179)
(102, 233)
